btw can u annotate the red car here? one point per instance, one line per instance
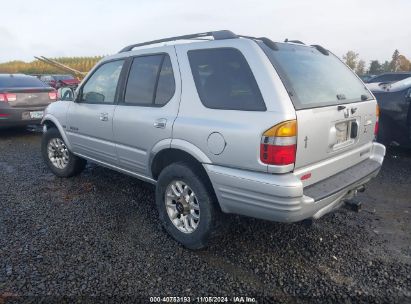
(58, 81)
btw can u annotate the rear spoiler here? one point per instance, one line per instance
(28, 90)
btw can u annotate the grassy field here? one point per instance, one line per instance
(82, 64)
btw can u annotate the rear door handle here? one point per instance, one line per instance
(160, 123)
(104, 116)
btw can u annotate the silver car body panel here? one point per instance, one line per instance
(90, 135)
(56, 113)
(137, 129)
(236, 127)
(278, 197)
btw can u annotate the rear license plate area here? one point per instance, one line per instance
(342, 131)
(346, 133)
(32, 115)
(36, 114)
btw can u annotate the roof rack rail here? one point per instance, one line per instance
(294, 41)
(217, 35)
(268, 42)
(321, 49)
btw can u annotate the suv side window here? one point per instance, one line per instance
(150, 81)
(101, 86)
(166, 83)
(224, 80)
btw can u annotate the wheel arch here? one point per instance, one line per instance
(50, 121)
(173, 148)
(171, 155)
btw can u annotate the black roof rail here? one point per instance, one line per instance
(217, 35)
(294, 41)
(268, 42)
(321, 49)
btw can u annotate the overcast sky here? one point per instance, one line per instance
(372, 28)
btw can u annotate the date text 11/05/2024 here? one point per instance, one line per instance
(236, 299)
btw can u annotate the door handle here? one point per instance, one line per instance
(160, 123)
(104, 116)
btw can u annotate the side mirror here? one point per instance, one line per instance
(65, 94)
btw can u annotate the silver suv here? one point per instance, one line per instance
(222, 123)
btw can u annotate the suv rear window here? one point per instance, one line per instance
(21, 82)
(313, 79)
(224, 80)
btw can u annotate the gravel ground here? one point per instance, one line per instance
(97, 237)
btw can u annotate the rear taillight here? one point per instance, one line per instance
(377, 114)
(5, 97)
(53, 95)
(279, 144)
(11, 97)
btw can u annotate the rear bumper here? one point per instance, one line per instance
(13, 117)
(282, 197)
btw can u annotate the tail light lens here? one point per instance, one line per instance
(6, 97)
(53, 95)
(279, 144)
(377, 114)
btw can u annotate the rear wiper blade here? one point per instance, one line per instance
(341, 97)
(364, 97)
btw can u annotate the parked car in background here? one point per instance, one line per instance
(394, 101)
(389, 77)
(58, 81)
(235, 124)
(23, 99)
(366, 77)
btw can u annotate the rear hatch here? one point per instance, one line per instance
(336, 113)
(24, 91)
(30, 97)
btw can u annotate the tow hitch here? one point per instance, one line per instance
(354, 203)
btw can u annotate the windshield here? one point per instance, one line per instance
(314, 79)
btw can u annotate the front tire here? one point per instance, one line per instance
(57, 156)
(187, 206)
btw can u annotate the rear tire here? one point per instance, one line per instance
(193, 207)
(58, 158)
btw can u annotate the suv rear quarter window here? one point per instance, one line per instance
(224, 80)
